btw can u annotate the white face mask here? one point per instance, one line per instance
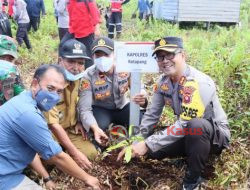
(104, 64)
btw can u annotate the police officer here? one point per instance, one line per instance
(62, 119)
(102, 92)
(202, 125)
(10, 80)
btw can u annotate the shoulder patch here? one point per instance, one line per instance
(123, 75)
(85, 85)
(100, 82)
(164, 87)
(182, 80)
(187, 93)
(155, 87)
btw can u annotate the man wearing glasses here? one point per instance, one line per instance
(201, 127)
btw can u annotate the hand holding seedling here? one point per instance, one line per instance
(139, 149)
(99, 135)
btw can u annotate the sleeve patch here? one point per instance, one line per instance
(85, 85)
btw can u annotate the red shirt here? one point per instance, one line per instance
(11, 3)
(82, 21)
(116, 5)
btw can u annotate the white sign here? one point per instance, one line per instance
(135, 57)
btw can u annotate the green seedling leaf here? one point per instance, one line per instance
(128, 154)
(119, 145)
(137, 138)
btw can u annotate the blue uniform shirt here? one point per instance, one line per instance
(35, 7)
(23, 133)
(143, 6)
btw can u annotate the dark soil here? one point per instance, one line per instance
(139, 174)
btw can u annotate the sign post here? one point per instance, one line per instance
(134, 115)
(136, 58)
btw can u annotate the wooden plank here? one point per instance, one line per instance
(200, 13)
(194, 8)
(207, 4)
(170, 11)
(210, 1)
(205, 19)
(225, 7)
(209, 10)
(207, 14)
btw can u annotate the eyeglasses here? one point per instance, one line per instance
(168, 56)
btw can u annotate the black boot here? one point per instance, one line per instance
(191, 181)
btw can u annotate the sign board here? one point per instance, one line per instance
(135, 57)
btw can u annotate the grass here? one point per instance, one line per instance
(221, 52)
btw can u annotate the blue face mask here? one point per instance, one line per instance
(46, 100)
(72, 77)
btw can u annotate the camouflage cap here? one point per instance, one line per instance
(8, 46)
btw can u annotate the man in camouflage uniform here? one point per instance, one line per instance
(8, 49)
(202, 125)
(102, 92)
(10, 80)
(62, 119)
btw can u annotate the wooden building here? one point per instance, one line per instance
(226, 11)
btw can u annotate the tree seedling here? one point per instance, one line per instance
(127, 143)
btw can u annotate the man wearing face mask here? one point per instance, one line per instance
(10, 80)
(202, 125)
(62, 119)
(24, 132)
(102, 92)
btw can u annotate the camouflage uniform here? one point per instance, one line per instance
(10, 80)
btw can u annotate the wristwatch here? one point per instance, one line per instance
(47, 179)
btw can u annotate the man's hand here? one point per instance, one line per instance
(97, 31)
(93, 182)
(82, 160)
(100, 136)
(79, 129)
(140, 99)
(50, 185)
(139, 149)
